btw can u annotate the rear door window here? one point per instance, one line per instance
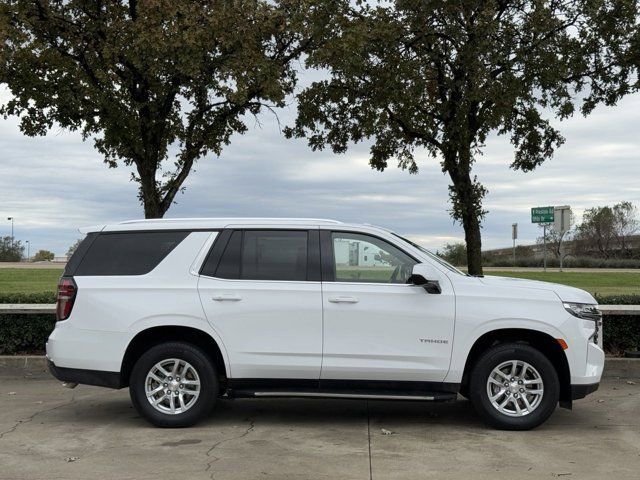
(128, 253)
(264, 255)
(274, 255)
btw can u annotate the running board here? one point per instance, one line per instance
(407, 396)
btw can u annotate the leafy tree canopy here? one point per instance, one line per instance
(455, 253)
(43, 256)
(435, 78)
(10, 250)
(606, 231)
(155, 83)
(73, 247)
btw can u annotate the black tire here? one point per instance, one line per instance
(491, 359)
(208, 384)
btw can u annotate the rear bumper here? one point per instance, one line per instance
(86, 377)
(581, 391)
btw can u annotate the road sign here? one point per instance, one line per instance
(542, 215)
(562, 221)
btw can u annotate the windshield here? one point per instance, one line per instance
(432, 256)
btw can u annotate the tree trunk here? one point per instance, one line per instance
(466, 196)
(149, 194)
(152, 208)
(471, 224)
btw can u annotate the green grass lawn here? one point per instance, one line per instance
(29, 280)
(603, 283)
(34, 280)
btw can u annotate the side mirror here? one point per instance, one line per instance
(423, 275)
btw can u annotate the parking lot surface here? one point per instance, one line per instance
(48, 432)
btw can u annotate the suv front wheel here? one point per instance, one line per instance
(173, 385)
(514, 387)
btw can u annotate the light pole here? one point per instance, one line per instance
(11, 218)
(28, 250)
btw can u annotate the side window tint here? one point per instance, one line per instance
(274, 255)
(131, 253)
(229, 266)
(363, 258)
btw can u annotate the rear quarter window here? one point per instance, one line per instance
(130, 253)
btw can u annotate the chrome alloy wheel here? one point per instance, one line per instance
(172, 386)
(515, 388)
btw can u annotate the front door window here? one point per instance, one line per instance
(367, 259)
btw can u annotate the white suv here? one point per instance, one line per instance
(185, 311)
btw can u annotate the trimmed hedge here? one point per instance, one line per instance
(29, 333)
(25, 333)
(617, 299)
(20, 334)
(554, 262)
(621, 332)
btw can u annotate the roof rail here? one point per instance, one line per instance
(231, 219)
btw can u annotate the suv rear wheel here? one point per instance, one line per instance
(514, 387)
(173, 385)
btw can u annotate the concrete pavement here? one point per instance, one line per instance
(48, 432)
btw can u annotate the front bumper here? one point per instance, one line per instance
(581, 391)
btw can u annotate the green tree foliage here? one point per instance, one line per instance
(556, 242)
(434, 78)
(455, 253)
(43, 256)
(605, 231)
(73, 247)
(10, 250)
(156, 84)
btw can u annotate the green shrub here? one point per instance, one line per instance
(618, 299)
(506, 260)
(25, 333)
(29, 333)
(40, 297)
(621, 333)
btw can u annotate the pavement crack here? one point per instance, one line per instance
(30, 418)
(226, 440)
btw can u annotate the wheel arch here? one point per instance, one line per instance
(544, 342)
(152, 336)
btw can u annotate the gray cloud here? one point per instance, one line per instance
(54, 184)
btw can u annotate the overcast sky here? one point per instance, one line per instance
(52, 185)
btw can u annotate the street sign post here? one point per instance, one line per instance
(544, 216)
(562, 224)
(514, 237)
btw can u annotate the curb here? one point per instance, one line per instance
(621, 367)
(23, 363)
(614, 366)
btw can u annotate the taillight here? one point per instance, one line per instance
(67, 290)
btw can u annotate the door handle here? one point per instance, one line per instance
(228, 297)
(343, 299)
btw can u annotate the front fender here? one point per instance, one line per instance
(464, 341)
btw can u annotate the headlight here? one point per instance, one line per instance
(588, 311)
